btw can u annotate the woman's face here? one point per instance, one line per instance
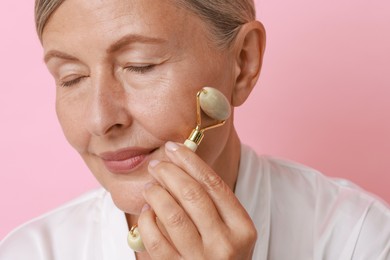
(127, 73)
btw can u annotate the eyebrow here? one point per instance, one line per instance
(130, 38)
(124, 41)
(57, 54)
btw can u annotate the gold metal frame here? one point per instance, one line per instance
(197, 134)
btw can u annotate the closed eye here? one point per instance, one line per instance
(72, 82)
(140, 69)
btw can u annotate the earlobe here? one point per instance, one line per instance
(249, 50)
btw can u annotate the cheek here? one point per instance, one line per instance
(69, 116)
(164, 101)
(163, 114)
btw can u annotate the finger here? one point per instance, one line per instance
(228, 206)
(191, 196)
(181, 230)
(156, 244)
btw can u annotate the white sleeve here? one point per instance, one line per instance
(374, 238)
(23, 245)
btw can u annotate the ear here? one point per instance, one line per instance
(249, 49)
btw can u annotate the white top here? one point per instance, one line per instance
(299, 214)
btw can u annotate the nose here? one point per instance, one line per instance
(107, 110)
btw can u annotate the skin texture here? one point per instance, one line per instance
(126, 74)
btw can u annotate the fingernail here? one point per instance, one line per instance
(153, 163)
(148, 185)
(145, 208)
(171, 146)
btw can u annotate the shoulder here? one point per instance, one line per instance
(52, 228)
(373, 233)
(341, 220)
(294, 180)
(297, 181)
(332, 217)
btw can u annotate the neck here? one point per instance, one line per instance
(227, 164)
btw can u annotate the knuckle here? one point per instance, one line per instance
(247, 239)
(154, 245)
(234, 245)
(227, 251)
(175, 219)
(213, 181)
(192, 193)
(252, 235)
(249, 234)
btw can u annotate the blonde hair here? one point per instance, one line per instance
(43, 10)
(224, 17)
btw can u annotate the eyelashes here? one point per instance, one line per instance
(135, 69)
(71, 82)
(140, 69)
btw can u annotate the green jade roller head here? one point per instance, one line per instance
(215, 105)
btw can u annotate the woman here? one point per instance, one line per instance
(127, 73)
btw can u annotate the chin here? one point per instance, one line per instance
(125, 188)
(127, 196)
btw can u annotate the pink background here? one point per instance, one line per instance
(322, 100)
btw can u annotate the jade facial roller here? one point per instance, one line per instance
(215, 105)
(134, 239)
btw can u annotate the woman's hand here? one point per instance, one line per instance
(200, 215)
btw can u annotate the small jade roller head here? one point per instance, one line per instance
(215, 105)
(134, 239)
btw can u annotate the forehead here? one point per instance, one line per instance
(83, 20)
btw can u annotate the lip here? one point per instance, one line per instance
(125, 160)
